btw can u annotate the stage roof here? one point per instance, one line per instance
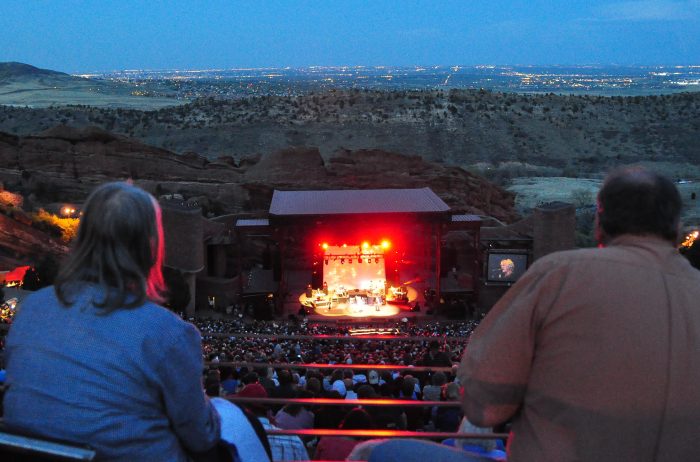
(465, 218)
(356, 201)
(240, 223)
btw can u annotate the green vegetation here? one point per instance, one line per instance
(502, 135)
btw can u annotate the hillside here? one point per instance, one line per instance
(25, 85)
(498, 134)
(12, 71)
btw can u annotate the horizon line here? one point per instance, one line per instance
(380, 66)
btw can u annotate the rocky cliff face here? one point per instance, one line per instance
(20, 243)
(64, 164)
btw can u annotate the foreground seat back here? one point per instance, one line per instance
(20, 448)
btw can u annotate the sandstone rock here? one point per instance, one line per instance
(20, 242)
(64, 164)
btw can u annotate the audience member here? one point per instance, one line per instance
(432, 392)
(295, 416)
(447, 419)
(339, 447)
(229, 380)
(593, 352)
(212, 383)
(130, 371)
(434, 357)
(329, 416)
(414, 415)
(283, 447)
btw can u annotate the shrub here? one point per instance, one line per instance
(68, 227)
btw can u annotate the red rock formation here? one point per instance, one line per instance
(63, 164)
(20, 242)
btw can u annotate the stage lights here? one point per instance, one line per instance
(365, 245)
(386, 244)
(324, 246)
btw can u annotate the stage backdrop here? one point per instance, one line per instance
(344, 267)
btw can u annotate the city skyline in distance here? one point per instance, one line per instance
(234, 83)
(82, 37)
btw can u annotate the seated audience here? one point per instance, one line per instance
(229, 380)
(339, 447)
(295, 416)
(283, 447)
(433, 391)
(212, 383)
(413, 415)
(94, 360)
(329, 416)
(447, 419)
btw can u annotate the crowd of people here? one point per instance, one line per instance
(347, 384)
(402, 349)
(405, 327)
(564, 357)
(431, 344)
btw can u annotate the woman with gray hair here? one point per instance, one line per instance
(95, 360)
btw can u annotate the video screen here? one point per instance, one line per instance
(505, 267)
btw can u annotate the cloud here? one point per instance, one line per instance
(648, 10)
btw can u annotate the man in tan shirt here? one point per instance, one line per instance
(595, 353)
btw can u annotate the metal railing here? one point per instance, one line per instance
(377, 367)
(389, 337)
(366, 433)
(344, 402)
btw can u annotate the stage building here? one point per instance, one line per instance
(350, 254)
(361, 253)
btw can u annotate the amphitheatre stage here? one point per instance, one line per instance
(360, 255)
(341, 304)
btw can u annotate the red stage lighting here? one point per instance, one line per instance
(365, 245)
(325, 246)
(386, 244)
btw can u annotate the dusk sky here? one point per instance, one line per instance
(86, 36)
